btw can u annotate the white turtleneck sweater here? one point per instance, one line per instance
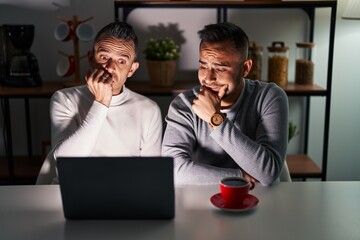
(81, 126)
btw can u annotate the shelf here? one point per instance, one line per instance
(306, 5)
(144, 87)
(45, 90)
(304, 90)
(243, 4)
(26, 170)
(302, 166)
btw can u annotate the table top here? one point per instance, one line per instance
(297, 210)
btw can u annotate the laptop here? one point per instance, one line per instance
(117, 187)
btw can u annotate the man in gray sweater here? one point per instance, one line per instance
(228, 125)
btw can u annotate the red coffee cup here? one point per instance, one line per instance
(234, 190)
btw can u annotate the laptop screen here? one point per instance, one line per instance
(117, 187)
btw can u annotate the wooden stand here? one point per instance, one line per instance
(74, 24)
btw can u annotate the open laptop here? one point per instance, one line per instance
(117, 187)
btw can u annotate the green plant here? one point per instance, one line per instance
(293, 131)
(161, 49)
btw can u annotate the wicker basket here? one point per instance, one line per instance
(161, 73)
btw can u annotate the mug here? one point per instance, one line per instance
(85, 32)
(234, 190)
(65, 31)
(65, 66)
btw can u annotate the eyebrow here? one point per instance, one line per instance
(103, 50)
(220, 64)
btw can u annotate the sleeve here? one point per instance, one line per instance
(262, 157)
(70, 134)
(179, 142)
(152, 143)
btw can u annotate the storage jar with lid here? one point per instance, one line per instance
(304, 70)
(278, 63)
(255, 54)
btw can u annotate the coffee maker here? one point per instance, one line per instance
(18, 66)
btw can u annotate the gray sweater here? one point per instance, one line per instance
(253, 137)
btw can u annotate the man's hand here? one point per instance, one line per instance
(208, 102)
(248, 177)
(99, 82)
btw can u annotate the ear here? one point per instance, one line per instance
(247, 67)
(134, 67)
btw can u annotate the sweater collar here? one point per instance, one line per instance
(120, 98)
(232, 111)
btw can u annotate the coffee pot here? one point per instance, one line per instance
(19, 67)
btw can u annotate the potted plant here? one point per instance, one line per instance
(161, 56)
(293, 131)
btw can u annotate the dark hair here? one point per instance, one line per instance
(221, 32)
(119, 30)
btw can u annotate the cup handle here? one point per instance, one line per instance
(252, 185)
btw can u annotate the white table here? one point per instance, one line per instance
(298, 210)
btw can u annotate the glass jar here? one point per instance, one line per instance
(255, 54)
(304, 70)
(278, 63)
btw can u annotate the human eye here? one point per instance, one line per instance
(220, 69)
(102, 58)
(202, 65)
(121, 61)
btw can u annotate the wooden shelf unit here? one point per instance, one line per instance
(300, 166)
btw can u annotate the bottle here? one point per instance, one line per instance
(278, 63)
(255, 54)
(304, 70)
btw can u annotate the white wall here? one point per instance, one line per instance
(44, 15)
(344, 153)
(344, 147)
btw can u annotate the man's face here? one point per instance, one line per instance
(221, 64)
(117, 58)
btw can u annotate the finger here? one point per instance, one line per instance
(222, 91)
(97, 75)
(87, 75)
(104, 78)
(248, 177)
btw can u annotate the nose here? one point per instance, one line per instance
(209, 75)
(110, 66)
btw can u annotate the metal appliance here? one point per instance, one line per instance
(18, 66)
